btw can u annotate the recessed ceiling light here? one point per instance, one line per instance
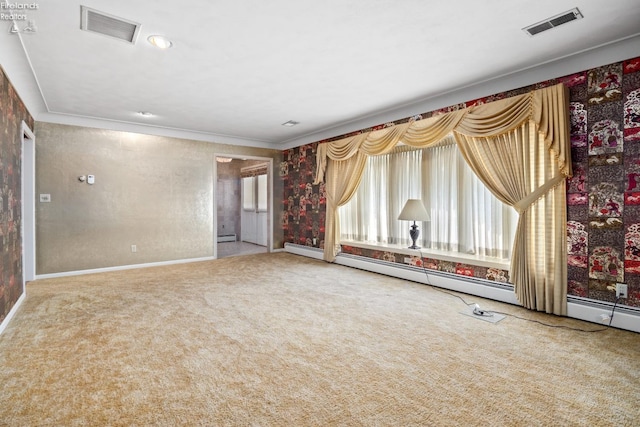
(160, 41)
(290, 123)
(145, 114)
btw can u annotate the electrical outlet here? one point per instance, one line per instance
(621, 290)
(134, 248)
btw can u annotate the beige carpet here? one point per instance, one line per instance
(281, 340)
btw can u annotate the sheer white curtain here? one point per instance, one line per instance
(388, 181)
(465, 216)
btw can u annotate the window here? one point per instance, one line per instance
(248, 193)
(262, 193)
(254, 190)
(465, 217)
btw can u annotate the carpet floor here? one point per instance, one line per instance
(283, 340)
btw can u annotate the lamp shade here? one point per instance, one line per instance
(414, 210)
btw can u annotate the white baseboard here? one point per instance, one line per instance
(590, 311)
(121, 267)
(12, 313)
(577, 308)
(307, 251)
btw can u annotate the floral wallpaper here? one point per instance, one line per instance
(304, 211)
(603, 196)
(12, 112)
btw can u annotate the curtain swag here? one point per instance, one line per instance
(519, 147)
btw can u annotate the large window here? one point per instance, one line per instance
(465, 217)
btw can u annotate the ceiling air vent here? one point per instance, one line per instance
(108, 25)
(553, 22)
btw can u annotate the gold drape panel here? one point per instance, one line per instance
(339, 192)
(518, 146)
(518, 168)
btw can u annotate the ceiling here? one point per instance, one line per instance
(239, 69)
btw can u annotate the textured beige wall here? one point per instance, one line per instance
(150, 191)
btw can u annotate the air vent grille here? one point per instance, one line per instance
(539, 28)
(553, 22)
(108, 25)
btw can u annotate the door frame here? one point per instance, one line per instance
(28, 195)
(269, 162)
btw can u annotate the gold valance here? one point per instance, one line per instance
(547, 108)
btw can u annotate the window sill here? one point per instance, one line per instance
(480, 261)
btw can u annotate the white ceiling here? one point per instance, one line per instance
(241, 68)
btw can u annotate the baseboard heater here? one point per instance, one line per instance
(227, 238)
(470, 285)
(577, 308)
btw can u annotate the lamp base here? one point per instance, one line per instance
(415, 233)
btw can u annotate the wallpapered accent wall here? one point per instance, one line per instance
(305, 208)
(603, 196)
(12, 113)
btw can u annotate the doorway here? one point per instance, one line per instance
(243, 205)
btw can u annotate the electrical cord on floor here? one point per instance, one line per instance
(613, 311)
(490, 313)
